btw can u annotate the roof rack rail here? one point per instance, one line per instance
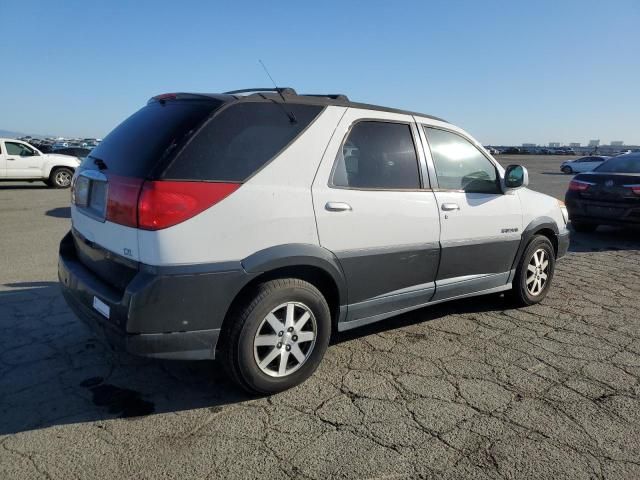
(332, 96)
(284, 91)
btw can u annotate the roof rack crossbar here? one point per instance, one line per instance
(284, 90)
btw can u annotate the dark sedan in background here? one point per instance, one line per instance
(80, 152)
(609, 195)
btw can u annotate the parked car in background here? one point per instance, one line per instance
(80, 152)
(512, 151)
(21, 161)
(584, 164)
(44, 147)
(492, 150)
(58, 145)
(610, 195)
(247, 228)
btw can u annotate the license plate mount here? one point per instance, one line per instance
(101, 307)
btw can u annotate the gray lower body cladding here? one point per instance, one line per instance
(177, 312)
(158, 314)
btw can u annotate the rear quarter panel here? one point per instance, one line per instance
(273, 207)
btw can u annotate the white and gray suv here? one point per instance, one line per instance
(249, 226)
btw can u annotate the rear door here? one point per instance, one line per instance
(375, 211)
(480, 226)
(585, 164)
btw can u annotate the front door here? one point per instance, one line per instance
(376, 213)
(22, 161)
(481, 226)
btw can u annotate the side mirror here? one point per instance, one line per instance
(516, 176)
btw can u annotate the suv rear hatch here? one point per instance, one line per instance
(167, 163)
(107, 188)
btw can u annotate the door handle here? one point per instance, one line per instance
(11, 159)
(337, 207)
(447, 207)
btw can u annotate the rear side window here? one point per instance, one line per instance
(136, 146)
(378, 155)
(240, 140)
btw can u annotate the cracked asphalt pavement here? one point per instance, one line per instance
(467, 389)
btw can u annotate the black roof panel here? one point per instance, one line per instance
(290, 95)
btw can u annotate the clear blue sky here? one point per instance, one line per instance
(506, 71)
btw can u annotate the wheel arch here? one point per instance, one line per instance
(310, 263)
(540, 226)
(49, 169)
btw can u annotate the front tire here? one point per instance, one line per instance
(567, 170)
(277, 337)
(534, 272)
(60, 177)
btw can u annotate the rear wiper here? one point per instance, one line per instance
(99, 163)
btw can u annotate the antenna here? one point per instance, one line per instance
(291, 116)
(272, 80)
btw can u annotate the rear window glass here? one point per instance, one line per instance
(136, 146)
(629, 163)
(239, 141)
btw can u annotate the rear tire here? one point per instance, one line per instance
(584, 227)
(534, 272)
(60, 177)
(567, 170)
(277, 337)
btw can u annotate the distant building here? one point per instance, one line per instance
(594, 143)
(529, 145)
(617, 143)
(554, 144)
(575, 144)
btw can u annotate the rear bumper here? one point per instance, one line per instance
(160, 315)
(602, 213)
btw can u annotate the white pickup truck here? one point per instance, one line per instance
(20, 161)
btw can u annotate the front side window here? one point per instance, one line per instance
(18, 149)
(378, 155)
(460, 165)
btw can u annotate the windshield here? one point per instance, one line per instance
(136, 146)
(623, 164)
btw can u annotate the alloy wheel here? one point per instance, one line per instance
(63, 178)
(537, 272)
(285, 339)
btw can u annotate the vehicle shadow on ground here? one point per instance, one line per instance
(55, 371)
(60, 212)
(24, 187)
(484, 304)
(605, 239)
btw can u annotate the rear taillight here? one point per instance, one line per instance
(122, 200)
(579, 185)
(634, 188)
(153, 205)
(163, 204)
